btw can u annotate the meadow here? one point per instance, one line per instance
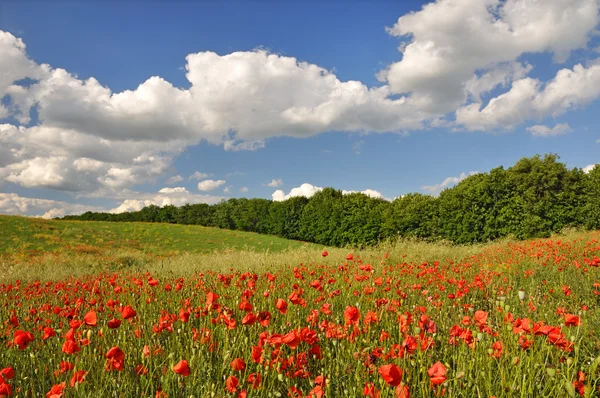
(403, 319)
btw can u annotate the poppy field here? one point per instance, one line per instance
(515, 319)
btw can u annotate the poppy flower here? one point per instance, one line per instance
(254, 380)
(22, 339)
(70, 347)
(57, 390)
(128, 312)
(48, 332)
(78, 377)
(371, 391)
(572, 320)
(5, 390)
(350, 257)
(140, 370)
(402, 391)
(324, 254)
(114, 323)
(281, 305)
(437, 373)
(7, 373)
(231, 384)
(238, 364)
(115, 359)
(391, 373)
(182, 368)
(351, 314)
(498, 347)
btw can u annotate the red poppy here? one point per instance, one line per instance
(371, 391)
(114, 323)
(281, 305)
(70, 347)
(182, 368)
(128, 312)
(115, 359)
(5, 390)
(7, 373)
(231, 384)
(402, 392)
(391, 373)
(57, 390)
(498, 347)
(572, 320)
(238, 364)
(351, 314)
(437, 373)
(78, 377)
(350, 257)
(324, 254)
(254, 380)
(48, 332)
(22, 339)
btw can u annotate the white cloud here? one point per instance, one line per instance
(244, 189)
(173, 190)
(275, 183)
(369, 192)
(308, 190)
(500, 75)
(449, 41)
(178, 196)
(174, 180)
(227, 189)
(236, 146)
(448, 182)
(209, 185)
(531, 99)
(545, 131)
(198, 175)
(13, 204)
(589, 168)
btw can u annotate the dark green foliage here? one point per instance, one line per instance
(534, 198)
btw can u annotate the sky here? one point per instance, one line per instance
(112, 106)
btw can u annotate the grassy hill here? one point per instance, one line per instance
(29, 239)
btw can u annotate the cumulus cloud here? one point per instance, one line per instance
(545, 131)
(308, 190)
(531, 99)
(369, 192)
(174, 180)
(448, 182)
(198, 175)
(209, 185)
(13, 204)
(244, 189)
(275, 183)
(177, 196)
(589, 168)
(449, 41)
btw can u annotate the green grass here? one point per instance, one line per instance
(34, 236)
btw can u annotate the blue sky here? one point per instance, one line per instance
(85, 148)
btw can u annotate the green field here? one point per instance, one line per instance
(37, 247)
(37, 236)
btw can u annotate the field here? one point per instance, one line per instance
(109, 245)
(510, 319)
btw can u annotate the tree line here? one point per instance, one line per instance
(534, 198)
